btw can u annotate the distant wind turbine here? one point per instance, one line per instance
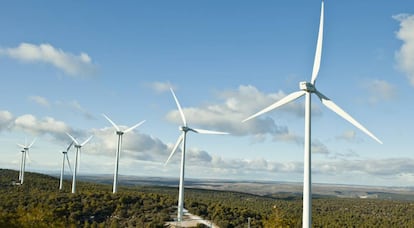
(78, 147)
(118, 151)
(65, 158)
(182, 139)
(25, 153)
(307, 88)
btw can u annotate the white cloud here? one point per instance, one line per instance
(289, 137)
(236, 106)
(254, 166)
(381, 90)
(47, 125)
(160, 87)
(6, 119)
(405, 56)
(135, 145)
(143, 148)
(349, 136)
(374, 167)
(40, 100)
(74, 65)
(318, 147)
(74, 105)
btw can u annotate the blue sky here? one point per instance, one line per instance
(64, 64)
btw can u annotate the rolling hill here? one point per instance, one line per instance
(149, 202)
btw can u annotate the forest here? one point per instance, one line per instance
(39, 203)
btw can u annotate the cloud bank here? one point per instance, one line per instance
(153, 152)
(235, 106)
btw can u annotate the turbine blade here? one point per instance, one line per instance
(179, 108)
(70, 145)
(73, 139)
(28, 157)
(112, 122)
(202, 131)
(22, 146)
(70, 167)
(133, 127)
(86, 141)
(335, 108)
(318, 53)
(177, 144)
(291, 97)
(31, 144)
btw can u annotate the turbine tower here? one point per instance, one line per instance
(65, 157)
(78, 147)
(25, 153)
(182, 140)
(21, 165)
(118, 151)
(307, 88)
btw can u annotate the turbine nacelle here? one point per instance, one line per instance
(119, 132)
(307, 86)
(185, 129)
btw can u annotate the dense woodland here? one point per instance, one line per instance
(39, 203)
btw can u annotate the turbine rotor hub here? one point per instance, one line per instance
(184, 128)
(307, 86)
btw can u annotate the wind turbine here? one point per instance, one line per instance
(182, 140)
(307, 88)
(118, 151)
(65, 157)
(25, 153)
(78, 147)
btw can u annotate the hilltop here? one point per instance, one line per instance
(39, 202)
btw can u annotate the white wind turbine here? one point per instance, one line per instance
(65, 158)
(118, 151)
(307, 88)
(25, 153)
(78, 147)
(182, 139)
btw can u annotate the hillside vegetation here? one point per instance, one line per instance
(39, 203)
